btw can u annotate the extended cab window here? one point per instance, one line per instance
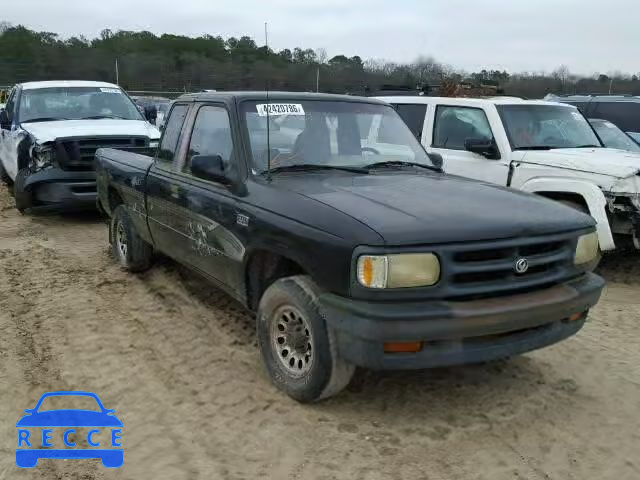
(455, 125)
(172, 133)
(413, 116)
(211, 135)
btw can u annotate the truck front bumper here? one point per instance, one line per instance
(62, 188)
(459, 332)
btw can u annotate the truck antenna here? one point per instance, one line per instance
(266, 41)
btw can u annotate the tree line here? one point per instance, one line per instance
(167, 62)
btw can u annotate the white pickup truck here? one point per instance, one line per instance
(540, 147)
(50, 131)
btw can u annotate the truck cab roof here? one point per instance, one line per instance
(273, 96)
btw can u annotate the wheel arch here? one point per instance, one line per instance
(263, 266)
(112, 199)
(584, 193)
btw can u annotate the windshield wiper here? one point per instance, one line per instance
(398, 163)
(588, 146)
(44, 119)
(98, 117)
(536, 147)
(302, 167)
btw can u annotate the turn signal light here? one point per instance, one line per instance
(402, 347)
(577, 316)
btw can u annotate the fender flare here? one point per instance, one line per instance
(590, 193)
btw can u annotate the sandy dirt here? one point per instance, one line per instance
(177, 360)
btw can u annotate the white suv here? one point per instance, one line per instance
(541, 147)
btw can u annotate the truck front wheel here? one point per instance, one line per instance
(298, 347)
(4, 176)
(131, 251)
(23, 195)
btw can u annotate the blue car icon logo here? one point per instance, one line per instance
(102, 426)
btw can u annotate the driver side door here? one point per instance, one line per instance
(453, 125)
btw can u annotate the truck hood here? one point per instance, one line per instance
(410, 209)
(49, 131)
(603, 161)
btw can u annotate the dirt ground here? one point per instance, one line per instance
(178, 362)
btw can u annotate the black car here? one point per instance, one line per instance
(350, 250)
(621, 110)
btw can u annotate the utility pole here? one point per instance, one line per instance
(117, 73)
(318, 79)
(610, 85)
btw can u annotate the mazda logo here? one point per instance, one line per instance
(522, 265)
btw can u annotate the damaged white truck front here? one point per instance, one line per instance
(49, 132)
(545, 148)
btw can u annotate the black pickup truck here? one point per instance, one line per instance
(352, 251)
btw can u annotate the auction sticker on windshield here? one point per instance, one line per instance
(265, 109)
(109, 90)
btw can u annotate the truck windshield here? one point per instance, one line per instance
(613, 137)
(69, 402)
(541, 127)
(76, 103)
(329, 134)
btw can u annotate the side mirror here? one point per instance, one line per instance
(5, 123)
(436, 159)
(482, 146)
(151, 113)
(209, 167)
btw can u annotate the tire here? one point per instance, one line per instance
(582, 208)
(4, 176)
(23, 197)
(131, 251)
(289, 316)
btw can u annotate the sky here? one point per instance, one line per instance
(587, 36)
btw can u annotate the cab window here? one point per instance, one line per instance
(413, 116)
(211, 135)
(455, 125)
(172, 131)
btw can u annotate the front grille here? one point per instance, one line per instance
(489, 269)
(78, 154)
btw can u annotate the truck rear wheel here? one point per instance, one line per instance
(131, 251)
(298, 347)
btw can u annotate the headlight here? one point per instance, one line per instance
(154, 143)
(398, 271)
(587, 249)
(42, 158)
